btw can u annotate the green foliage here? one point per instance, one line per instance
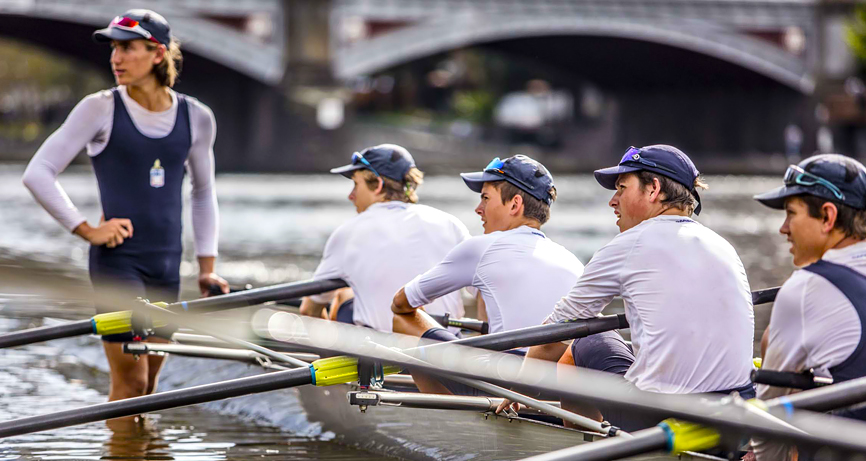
(474, 105)
(855, 35)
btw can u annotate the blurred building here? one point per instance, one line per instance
(298, 84)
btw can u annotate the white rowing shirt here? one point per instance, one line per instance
(813, 326)
(382, 248)
(687, 301)
(89, 126)
(519, 272)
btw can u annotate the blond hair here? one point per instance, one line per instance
(168, 70)
(394, 190)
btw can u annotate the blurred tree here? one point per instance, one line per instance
(855, 35)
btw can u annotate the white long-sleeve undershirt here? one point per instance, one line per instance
(89, 126)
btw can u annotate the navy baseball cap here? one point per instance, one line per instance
(136, 24)
(829, 176)
(662, 159)
(523, 172)
(388, 160)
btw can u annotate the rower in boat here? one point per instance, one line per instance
(390, 241)
(142, 137)
(686, 296)
(819, 316)
(517, 270)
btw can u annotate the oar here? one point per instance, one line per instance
(261, 295)
(323, 373)
(124, 321)
(767, 295)
(464, 323)
(333, 337)
(805, 380)
(586, 385)
(445, 319)
(101, 324)
(660, 438)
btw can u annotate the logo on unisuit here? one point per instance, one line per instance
(157, 175)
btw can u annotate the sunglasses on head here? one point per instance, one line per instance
(795, 175)
(132, 25)
(633, 155)
(496, 167)
(358, 157)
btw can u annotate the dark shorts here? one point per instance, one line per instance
(153, 276)
(346, 312)
(605, 351)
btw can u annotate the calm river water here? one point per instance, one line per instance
(273, 229)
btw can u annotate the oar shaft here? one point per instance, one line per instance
(541, 334)
(259, 295)
(35, 335)
(157, 402)
(839, 395)
(641, 442)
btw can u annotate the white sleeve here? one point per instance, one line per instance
(600, 282)
(456, 271)
(82, 125)
(331, 265)
(785, 335)
(200, 164)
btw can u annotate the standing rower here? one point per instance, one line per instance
(819, 315)
(142, 137)
(684, 287)
(518, 271)
(391, 240)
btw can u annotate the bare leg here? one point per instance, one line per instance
(154, 366)
(129, 377)
(416, 324)
(567, 360)
(342, 295)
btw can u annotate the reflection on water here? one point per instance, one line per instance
(40, 379)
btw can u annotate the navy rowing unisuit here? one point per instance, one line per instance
(853, 285)
(140, 178)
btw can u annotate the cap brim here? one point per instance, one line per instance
(347, 170)
(776, 197)
(607, 176)
(113, 33)
(475, 181)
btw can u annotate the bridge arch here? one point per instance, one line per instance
(462, 30)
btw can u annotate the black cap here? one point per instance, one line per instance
(662, 159)
(388, 160)
(830, 176)
(525, 173)
(136, 24)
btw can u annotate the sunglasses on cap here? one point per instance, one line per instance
(358, 157)
(496, 167)
(132, 25)
(633, 155)
(795, 175)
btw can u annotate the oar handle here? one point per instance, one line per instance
(465, 323)
(805, 380)
(766, 295)
(261, 295)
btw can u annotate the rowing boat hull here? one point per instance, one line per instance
(324, 412)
